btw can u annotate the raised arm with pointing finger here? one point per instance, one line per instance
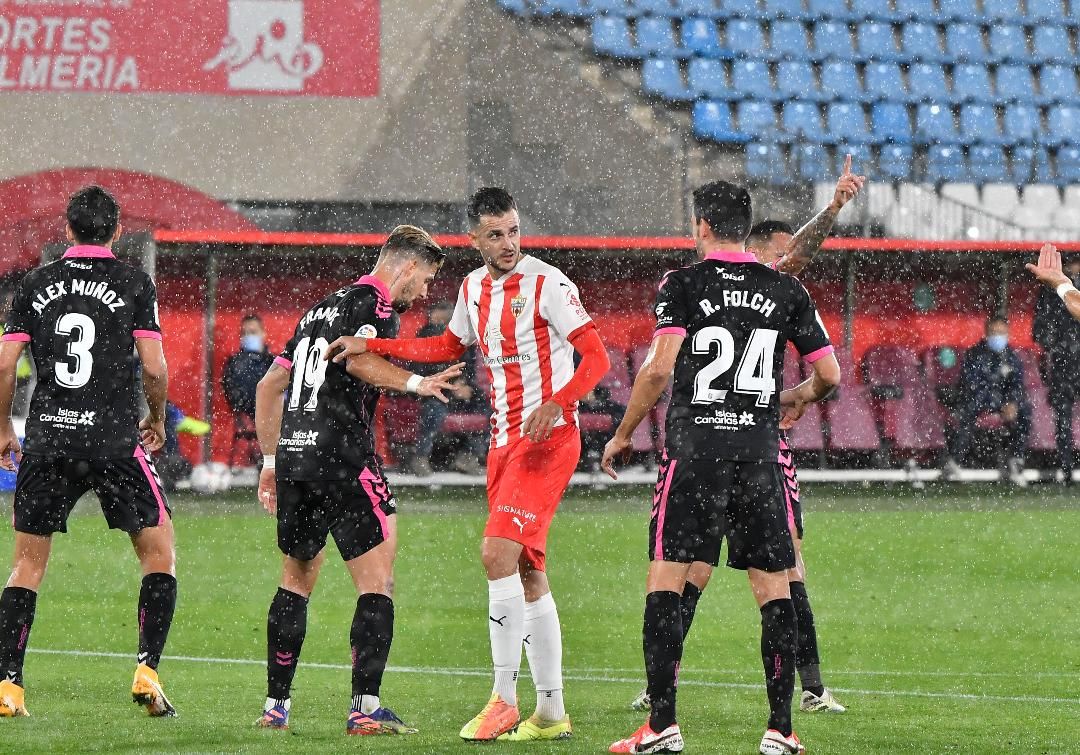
(1049, 272)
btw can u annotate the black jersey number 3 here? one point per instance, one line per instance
(75, 371)
(754, 374)
(309, 372)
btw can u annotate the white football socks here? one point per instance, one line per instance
(506, 627)
(543, 648)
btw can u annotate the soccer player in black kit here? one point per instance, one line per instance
(722, 326)
(90, 322)
(322, 476)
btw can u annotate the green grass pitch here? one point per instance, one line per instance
(948, 622)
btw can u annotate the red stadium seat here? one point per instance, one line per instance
(911, 416)
(465, 423)
(1032, 364)
(617, 380)
(849, 413)
(1042, 421)
(643, 436)
(807, 435)
(595, 423)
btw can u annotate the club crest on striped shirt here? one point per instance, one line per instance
(517, 305)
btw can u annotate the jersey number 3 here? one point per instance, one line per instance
(754, 374)
(75, 372)
(309, 372)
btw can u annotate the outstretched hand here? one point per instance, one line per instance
(436, 386)
(9, 447)
(848, 186)
(617, 449)
(344, 347)
(1048, 271)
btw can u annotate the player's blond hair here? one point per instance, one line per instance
(414, 241)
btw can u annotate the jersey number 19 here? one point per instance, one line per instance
(309, 372)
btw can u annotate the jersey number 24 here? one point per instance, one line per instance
(754, 375)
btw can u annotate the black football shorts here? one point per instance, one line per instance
(47, 488)
(700, 502)
(353, 511)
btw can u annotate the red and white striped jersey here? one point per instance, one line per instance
(523, 323)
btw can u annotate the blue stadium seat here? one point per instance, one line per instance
(708, 78)
(1015, 83)
(964, 42)
(1022, 123)
(917, 10)
(609, 7)
(655, 36)
(1003, 10)
(927, 83)
(1044, 11)
(884, 81)
(698, 8)
(514, 6)
(971, 83)
(836, 10)
(611, 36)
(934, 124)
(876, 42)
(812, 162)
(701, 37)
(1028, 165)
(1010, 43)
(862, 158)
(832, 40)
(656, 8)
(750, 78)
(945, 164)
(662, 77)
(757, 119)
(795, 80)
(1050, 44)
(1058, 84)
(568, 8)
(746, 38)
(847, 124)
(873, 9)
(765, 162)
(789, 40)
(1063, 124)
(739, 8)
(1068, 165)
(891, 123)
(966, 11)
(921, 43)
(979, 123)
(792, 10)
(894, 162)
(712, 120)
(840, 80)
(802, 120)
(988, 165)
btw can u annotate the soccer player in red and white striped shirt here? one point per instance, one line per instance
(528, 320)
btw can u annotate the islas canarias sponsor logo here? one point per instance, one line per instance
(69, 419)
(300, 439)
(724, 420)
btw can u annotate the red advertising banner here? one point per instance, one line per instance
(320, 48)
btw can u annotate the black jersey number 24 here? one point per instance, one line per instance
(73, 370)
(754, 375)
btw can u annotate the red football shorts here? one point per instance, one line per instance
(525, 482)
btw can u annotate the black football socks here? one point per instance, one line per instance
(371, 636)
(690, 596)
(806, 651)
(286, 625)
(662, 639)
(157, 602)
(17, 606)
(778, 631)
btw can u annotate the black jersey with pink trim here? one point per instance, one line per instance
(737, 317)
(328, 418)
(80, 317)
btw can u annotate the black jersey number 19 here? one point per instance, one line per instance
(754, 374)
(309, 372)
(74, 371)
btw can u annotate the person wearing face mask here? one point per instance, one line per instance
(243, 371)
(993, 399)
(1057, 329)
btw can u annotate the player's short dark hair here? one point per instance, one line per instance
(996, 318)
(250, 317)
(766, 228)
(414, 241)
(93, 215)
(489, 200)
(727, 209)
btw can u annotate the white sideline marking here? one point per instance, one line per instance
(436, 671)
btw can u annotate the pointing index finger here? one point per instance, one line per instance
(847, 164)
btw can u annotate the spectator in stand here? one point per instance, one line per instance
(992, 398)
(433, 413)
(243, 371)
(1057, 330)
